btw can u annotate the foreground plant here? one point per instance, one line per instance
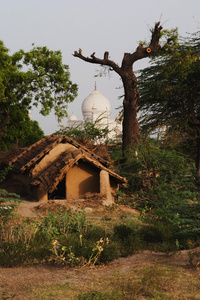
(64, 256)
(96, 251)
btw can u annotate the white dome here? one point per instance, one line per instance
(95, 102)
(73, 117)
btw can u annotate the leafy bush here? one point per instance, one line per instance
(87, 131)
(94, 232)
(110, 252)
(151, 234)
(8, 201)
(128, 239)
(162, 184)
(62, 223)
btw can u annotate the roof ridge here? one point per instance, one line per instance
(35, 152)
(31, 147)
(44, 176)
(76, 144)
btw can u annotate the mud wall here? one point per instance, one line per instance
(50, 158)
(80, 179)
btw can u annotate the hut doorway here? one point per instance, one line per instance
(59, 192)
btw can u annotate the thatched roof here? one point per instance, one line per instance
(55, 171)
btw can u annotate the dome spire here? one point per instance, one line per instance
(95, 86)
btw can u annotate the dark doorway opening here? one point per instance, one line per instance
(59, 192)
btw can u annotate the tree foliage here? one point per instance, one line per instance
(162, 184)
(87, 131)
(20, 130)
(34, 78)
(170, 94)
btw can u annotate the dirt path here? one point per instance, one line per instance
(22, 281)
(31, 209)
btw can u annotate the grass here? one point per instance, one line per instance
(155, 282)
(51, 292)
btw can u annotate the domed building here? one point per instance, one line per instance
(96, 108)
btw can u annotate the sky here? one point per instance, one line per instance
(94, 26)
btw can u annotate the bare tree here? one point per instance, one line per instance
(131, 132)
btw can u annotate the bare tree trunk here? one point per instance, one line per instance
(131, 133)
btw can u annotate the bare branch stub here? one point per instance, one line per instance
(154, 45)
(142, 52)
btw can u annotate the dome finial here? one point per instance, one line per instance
(95, 86)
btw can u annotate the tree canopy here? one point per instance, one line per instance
(170, 92)
(20, 130)
(34, 78)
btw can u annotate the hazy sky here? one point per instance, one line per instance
(94, 26)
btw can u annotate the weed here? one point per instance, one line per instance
(96, 251)
(106, 218)
(64, 256)
(5, 296)
(94, 295)
(154, 282)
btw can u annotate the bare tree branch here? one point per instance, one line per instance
(95, 60)
(131, 132)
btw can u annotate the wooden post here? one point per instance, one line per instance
(105, 187)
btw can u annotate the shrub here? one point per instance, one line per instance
(94, 232)
(162, 184)
(63, 223)
(151, 234)
(128, 239)
(8, 201)
(110, 252)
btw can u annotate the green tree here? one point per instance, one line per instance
(20, 130)
(33, 78)
(162, 184)
(170, 94)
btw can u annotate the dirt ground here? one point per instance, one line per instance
(32, 209)
(22, 282)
